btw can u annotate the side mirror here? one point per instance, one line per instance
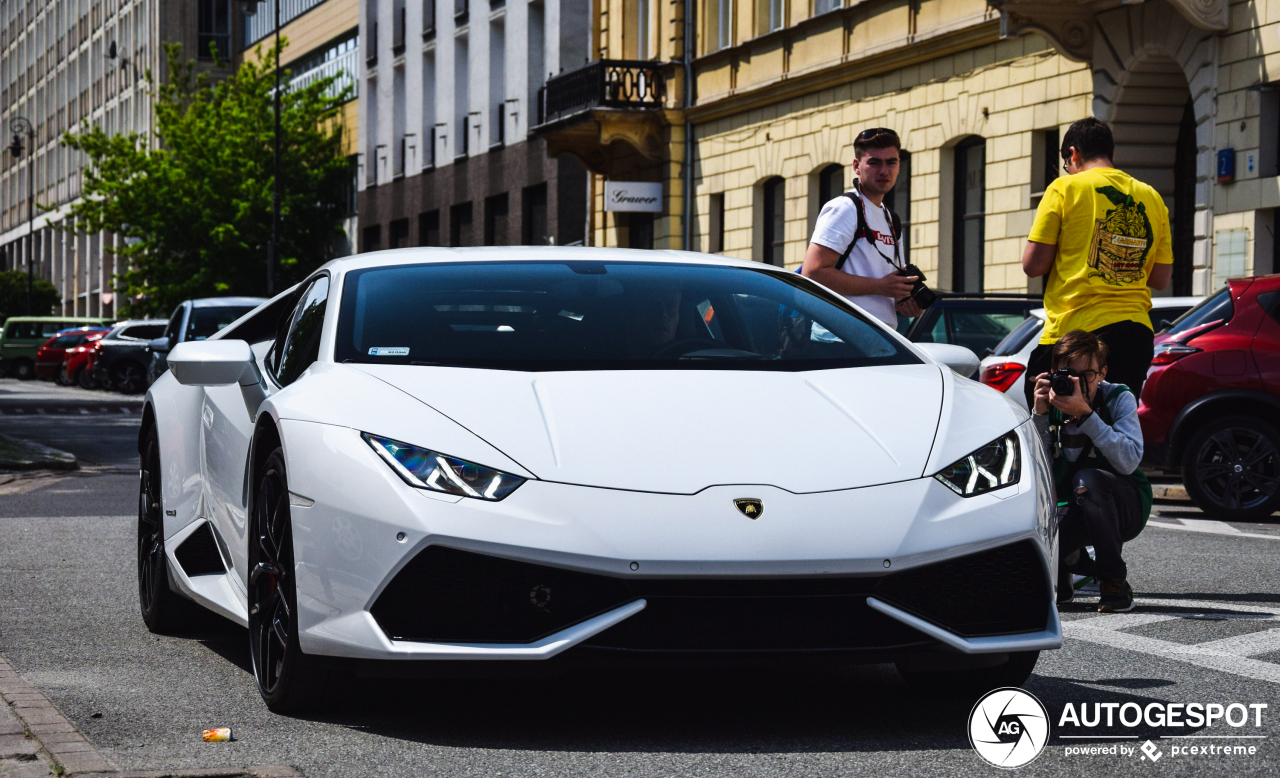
(160, 344)
(212, 362)
(958, 358)
(219, 363)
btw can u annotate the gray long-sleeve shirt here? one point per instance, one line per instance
(1120, 442)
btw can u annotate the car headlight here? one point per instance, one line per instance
(438, 472)
(994, 466)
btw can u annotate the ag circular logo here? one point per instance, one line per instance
(1008, 727)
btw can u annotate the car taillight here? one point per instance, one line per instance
(1001, 375)
(1168, 353)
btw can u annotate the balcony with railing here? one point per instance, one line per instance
(262, 23)
(606, 83)
(345, 66)
(586, 111)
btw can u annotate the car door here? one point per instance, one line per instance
(226, 430)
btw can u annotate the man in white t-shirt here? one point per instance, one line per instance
(868, 278)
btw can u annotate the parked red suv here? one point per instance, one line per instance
(51, 355)
(78, 362)
(1211, 403)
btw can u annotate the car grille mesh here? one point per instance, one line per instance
(452, 596)
(999, 591)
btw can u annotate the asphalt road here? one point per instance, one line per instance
(69, 625)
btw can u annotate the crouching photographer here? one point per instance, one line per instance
(1092, 432)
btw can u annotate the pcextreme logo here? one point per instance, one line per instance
(1008, 727)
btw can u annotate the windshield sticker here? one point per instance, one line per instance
(389, 351)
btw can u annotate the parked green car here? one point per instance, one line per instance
(23, 336)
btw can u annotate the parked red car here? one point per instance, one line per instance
(77, 361)
(1211, 403)
(52, 354)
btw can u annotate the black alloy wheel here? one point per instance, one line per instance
(289, 681)
(163, 610)
(86, 380)
(63, 379)
(129, 377)
(1231, 468)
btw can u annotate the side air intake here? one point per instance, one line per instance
(199, 555)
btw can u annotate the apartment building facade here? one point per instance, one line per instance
(64, 62)
(450, 90)
(980, 91)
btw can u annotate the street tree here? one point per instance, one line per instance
(13, 295)
(193, 204)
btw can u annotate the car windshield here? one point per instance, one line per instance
(1019, 337)
(581, 315)
(1217, 308)
(206, 321)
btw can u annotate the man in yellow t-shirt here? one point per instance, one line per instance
(1103, 237)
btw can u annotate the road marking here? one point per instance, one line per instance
(1233, 532)
(1231, 655)
(1210, 525)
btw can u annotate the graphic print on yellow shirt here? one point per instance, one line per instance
(1121, 240)
(1110, 230)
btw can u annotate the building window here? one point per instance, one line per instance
(429, 108)
(214, 34)
(824, 6)
(1045, 160)
(830, 184)
(497, 221)
(636, 40)
(428, 19)
(715, 226)
(719, 25)
(398, 161)
(775, 224)
(429, 228)
(770, 15)
(398, 24)
(970, 215)
(371, 238)
(899, 201)
(534, 224)
(398, 237)
(497, 82)
(460, 225)
(461, 98)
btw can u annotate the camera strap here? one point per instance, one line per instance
(863, 231)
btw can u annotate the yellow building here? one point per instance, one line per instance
(980, 93)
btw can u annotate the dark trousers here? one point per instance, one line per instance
(1129, 353)
(1105, 511)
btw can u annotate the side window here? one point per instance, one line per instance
(174, 327)
(301, 344)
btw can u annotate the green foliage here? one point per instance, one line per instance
(13, 295)
(194, 204)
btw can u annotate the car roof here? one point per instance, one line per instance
(413, 256)
(82, 328)
(1156, 303)
(222, 302)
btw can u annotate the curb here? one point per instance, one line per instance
(47, 732)
(1170, 492)
(18, 454)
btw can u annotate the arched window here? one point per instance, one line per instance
(774, 220)
(899, 200)
(970, 214)
(830, 184)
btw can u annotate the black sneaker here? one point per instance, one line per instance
(1066, 584)
(1117, 597)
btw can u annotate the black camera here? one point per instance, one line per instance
(1060, 382)
(923, 295)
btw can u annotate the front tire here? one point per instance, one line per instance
(289, 680)
(1231, 468)
(86, 380)
(23, 370)
(62, 378)
(970, 682)
(163, 610)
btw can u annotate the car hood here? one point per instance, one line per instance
(679, 431)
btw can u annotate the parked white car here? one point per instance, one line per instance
(1003, 369)
(511, 454)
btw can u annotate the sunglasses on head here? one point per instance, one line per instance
(875, 132)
